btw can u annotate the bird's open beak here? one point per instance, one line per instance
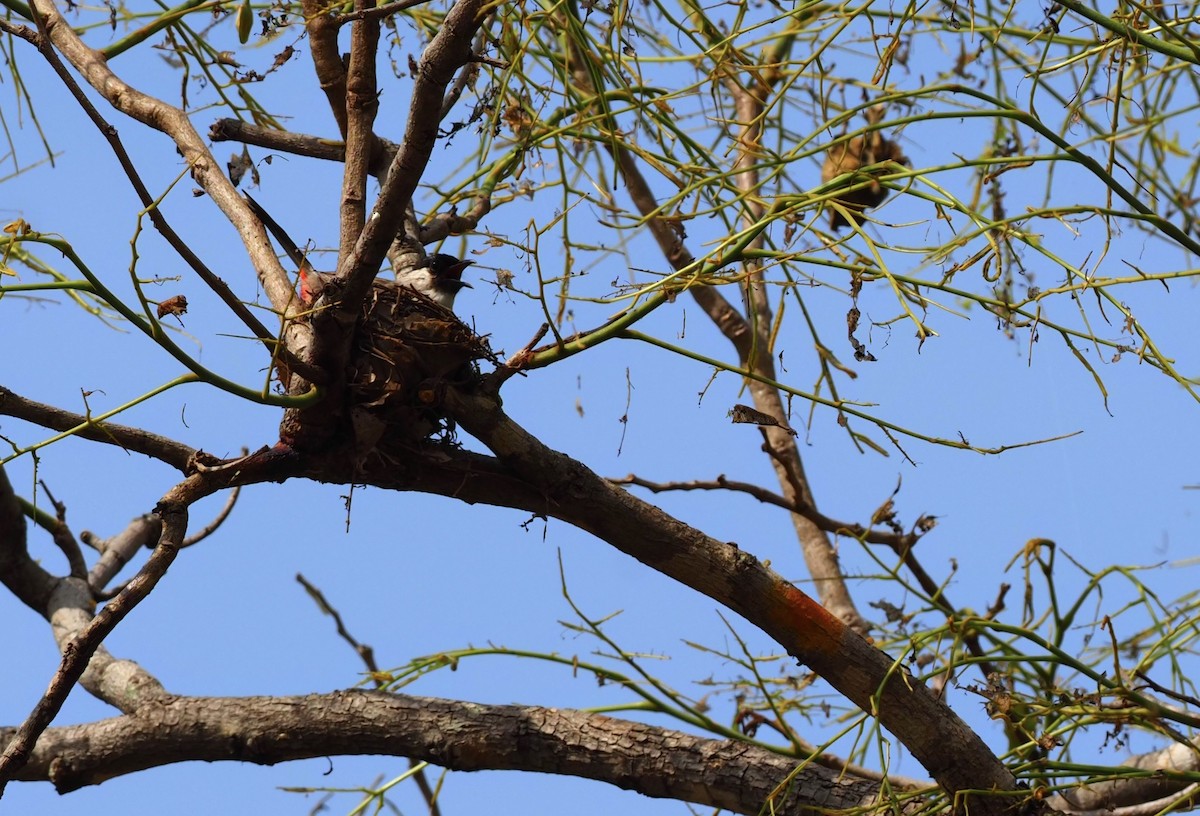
(457, 269)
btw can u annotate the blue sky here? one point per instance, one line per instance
(418, 574)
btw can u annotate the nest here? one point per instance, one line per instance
(849, 157)
(407, 351)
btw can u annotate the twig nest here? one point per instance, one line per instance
(849, 157)
(407, 349)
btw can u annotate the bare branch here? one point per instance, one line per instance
(215, 283)
(116, 552)
(77, 653)
(64, 539)
(1132, 796)
(653, 761)
(449, 50)
(23, 576)
(367, 655)
(871, 535)
(323, 30)
(296, 144)
(173, 453)
(437, 227)
(168, 119)
(949, 750)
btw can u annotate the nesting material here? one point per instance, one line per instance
(407, 350)
(849, 157)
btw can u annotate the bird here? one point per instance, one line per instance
(438, 277)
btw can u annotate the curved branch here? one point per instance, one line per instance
(78, 647)
(650, 760)
(162, 448)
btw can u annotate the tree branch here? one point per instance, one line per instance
(653, 761)
(948, 749)
(449, 50)
(176, 124)
(77, 650)
(166, 450)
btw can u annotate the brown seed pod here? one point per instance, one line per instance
(849, 157)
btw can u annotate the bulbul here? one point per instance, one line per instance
(438, 277)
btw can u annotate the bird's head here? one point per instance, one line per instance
(438, 277)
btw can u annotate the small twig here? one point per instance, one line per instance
(514, 364)
(63, 537)
(1187, 699)
(210, 528)
(829, 525)
(367, 654)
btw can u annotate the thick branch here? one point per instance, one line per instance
(653, 761)
(23, 576)
(322, 30)
(362, 104)
(449, 50)
(948, 749)
(1117, 794)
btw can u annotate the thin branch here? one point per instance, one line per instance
(299, 144)
(63, 537)
(367, 655)
(176, 124)
(214, 525)
(437, 227)
(322, 30)
(151, 205)
(376, 13)
(144, 531)
(22, 575)
(902, 544)
(897, 541)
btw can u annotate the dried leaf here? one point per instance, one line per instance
(746, 414)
